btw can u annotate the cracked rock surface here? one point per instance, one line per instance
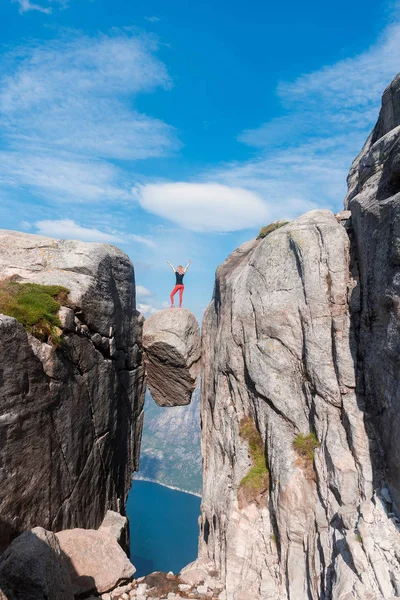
(279, 350)
(171, 343)
(72, 416)
(374, 201)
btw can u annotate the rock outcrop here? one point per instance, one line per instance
(374, 201)
(71, 415)
(34, 568)
(171, 343)
(289, 508)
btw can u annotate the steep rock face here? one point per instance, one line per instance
(374, 201)
(279, 351)
(71, 417)
(171, 342)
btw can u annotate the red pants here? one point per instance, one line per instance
(177, 288)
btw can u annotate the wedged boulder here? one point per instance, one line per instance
(172, 346)
(34, 568)
(96, 562)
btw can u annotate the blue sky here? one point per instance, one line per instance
(176, 130)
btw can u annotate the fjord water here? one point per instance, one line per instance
(163, 527)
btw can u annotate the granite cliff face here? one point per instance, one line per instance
(280, 351)
(71, 416)
(374, 201)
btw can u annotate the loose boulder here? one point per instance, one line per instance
(171, 341)
(34, 568)
(118, 526)
(96, 561)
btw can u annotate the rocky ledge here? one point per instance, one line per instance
(171, 343)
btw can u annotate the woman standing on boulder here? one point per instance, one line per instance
(179, 287)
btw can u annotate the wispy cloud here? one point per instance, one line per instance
(153, 19)
(142, 292)
(146, 240)
(69, 230)
(146, 309)
(67, 113)
(304, 155)
(62, 178)
(27, 5)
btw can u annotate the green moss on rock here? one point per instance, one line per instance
(305, 445)
(267, 229)
(35, 306)
(257, 478)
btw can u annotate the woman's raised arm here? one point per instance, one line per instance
(187, 266)
(173, 268)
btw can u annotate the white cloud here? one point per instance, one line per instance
(146, 309)
(69, 230)
(63, 177)
(153, 19)
(204, 206)
(26, 225)
(27, 5)
(142, 292)
(67, 109)
(141, 239)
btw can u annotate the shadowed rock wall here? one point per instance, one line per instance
(374, 201)
(71, 417)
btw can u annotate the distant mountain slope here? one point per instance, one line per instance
(170, 451)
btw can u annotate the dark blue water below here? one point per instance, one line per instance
(163, 527)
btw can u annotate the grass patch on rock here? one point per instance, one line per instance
(305, 445)
(267, 229)
(253, 485)
(35, 306)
